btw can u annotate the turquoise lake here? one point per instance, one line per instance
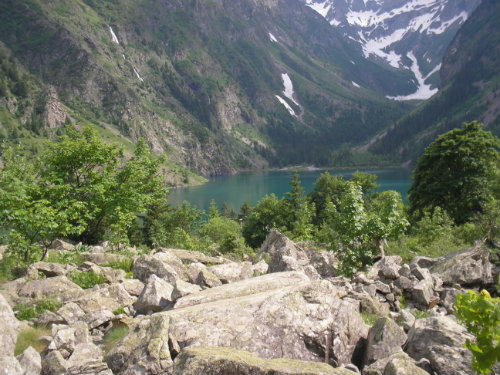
(252, 186)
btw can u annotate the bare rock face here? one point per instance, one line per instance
(285, 254)
(273, 316)
(8, 328)
(466, 267)
(221, 360)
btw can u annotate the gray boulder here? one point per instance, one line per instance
(59, 287)
(183, 288)
(435, 330)
(30, 361)
(134, 287)
(8, 329)
(189, 256)
(284, 254)
(47, 269)
(273, 316)
(156, 296)
(54, 364)
(87, 359)
(402, 364)
(447, 360)
(384, 339)
(423, 293)
(222, 360)
(145, 266)
(207, 279)
(230, 272)
(10, 366)
(466, 267)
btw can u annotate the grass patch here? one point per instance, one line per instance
(65, 257)
(32, 310)
(419, 314)
(31, 337)
(86, 280)
(114, 335)
(369, 319)
(121, 264)
(402, 302)
(119, 310)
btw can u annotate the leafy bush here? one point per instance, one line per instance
(369, 319)
(119, 310)
(88, 279)
(32, 310)
(65, 257)
(31, 337)
(481, 315)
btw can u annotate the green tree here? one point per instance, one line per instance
(111, 188)
(458, 172)
(297, 211)
(29, 222)
(481, 315)
(358, 232)
(267, 214)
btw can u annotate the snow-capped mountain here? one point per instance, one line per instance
(404, 34)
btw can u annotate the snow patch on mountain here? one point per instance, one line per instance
(355, 84)
(114, 39)
(288, 92)
(272, 38)
(137, 74)
(424, 90)
(321, 8)
(287, 106)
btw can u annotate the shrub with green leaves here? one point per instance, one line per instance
(32, 310)
(88, 279)
(481, 315)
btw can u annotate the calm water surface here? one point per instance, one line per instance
(253, 186)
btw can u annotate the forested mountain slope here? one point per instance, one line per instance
(218, 85)
(470, 76)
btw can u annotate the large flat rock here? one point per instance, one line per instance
(220, 360)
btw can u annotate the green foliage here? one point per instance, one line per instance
(119, 310)
(65, 257)
(434, 235)
(114, 335)
(222, 231)
(29, 220)
(481, 315)
(458, 172)
(86, 280)
(32, 336)
(172, 226)
(80, 188)
(265, 215)
(32, 310)
(359, 233)
(123, 263)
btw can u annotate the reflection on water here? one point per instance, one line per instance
(252, 186)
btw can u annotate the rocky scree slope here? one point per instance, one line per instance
(188, 313)
(219, 85)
